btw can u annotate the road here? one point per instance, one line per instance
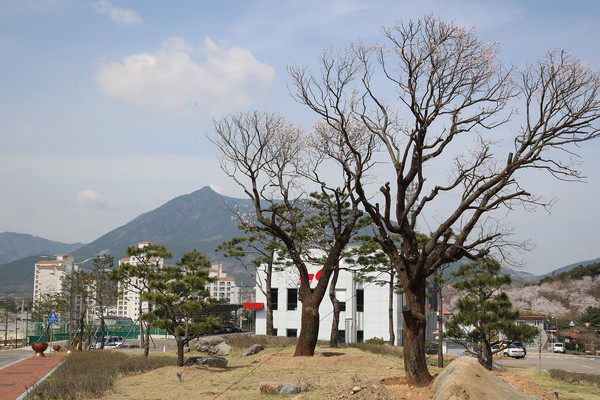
(571, 363)
(8, 357)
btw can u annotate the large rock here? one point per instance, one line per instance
(222, 349)
(206, 344)
(213, 362)
(279, 388)
(466, 379)
(254, 349)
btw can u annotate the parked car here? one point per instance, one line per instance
(110, 342)
(513, 351)
(521, 346)
(558, 347)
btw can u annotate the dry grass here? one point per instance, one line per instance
(92, 373)
(112, 375)
(330, 371)
(566, 390)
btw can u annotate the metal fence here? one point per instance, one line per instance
(43, 331)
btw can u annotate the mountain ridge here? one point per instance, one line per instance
(15, 246)
(200, 220)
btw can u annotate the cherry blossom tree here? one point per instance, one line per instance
(434, 96)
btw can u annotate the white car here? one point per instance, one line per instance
(110, 342)
(558, 348)
(514, 351)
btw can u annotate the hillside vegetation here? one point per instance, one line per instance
(579, 272)
(563, 296)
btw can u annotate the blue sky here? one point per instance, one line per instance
(105, 104)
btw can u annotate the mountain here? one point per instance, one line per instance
(17, 276)
(15, 246)
(570, 267)
(200, 220)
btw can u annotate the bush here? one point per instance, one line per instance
(379, 349)
(575, 377)
(240, 341)
(91, 373)
(375, 340)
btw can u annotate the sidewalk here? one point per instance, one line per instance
(17, 378)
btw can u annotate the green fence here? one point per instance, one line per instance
(42, 331)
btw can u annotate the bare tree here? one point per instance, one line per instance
(435, 96)
(273, 161)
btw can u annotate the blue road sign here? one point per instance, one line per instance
(53, 317)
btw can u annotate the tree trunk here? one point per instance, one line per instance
(391, 309)
(415, 363)
(81, 327)
(333, 339)
(147, 341)
(440, 321)
(309, 331)
(102, 331)
(142, 342)
(486, 355)
(180, 345)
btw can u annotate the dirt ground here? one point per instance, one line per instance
(340, 374)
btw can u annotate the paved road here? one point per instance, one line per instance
(8, 357)
(572, 363)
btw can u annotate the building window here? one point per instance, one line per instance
(341, 336)
(292, 300)
(274, 298)
(360, 336)
(360, 299)
(274, 331)
(342, 306)
(291, 332)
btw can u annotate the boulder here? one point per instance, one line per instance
(279, 388)
(288, 388)
(222, 349)
(465, 378)
(213, 362)
(254, 349)
(206, 344)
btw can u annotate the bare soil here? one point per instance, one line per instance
(332, 374)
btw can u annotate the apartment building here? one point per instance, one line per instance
(49, 275)
(223, 287)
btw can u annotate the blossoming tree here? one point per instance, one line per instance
(438, 107)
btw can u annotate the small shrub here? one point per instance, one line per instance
(575, 377)
(240, 341)
(375, 340)
(379, 349)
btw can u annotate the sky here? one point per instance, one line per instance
(105, 106)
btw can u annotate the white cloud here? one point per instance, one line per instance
(118, 15)
(90, 198)
(172, 81)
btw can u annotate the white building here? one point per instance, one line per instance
(49, 275)
(364, 308)
(224, 287)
